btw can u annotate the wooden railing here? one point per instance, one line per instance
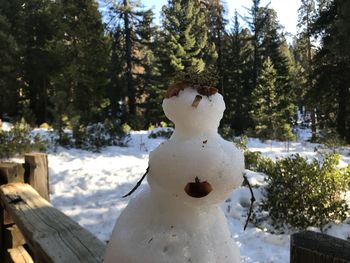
(31, 229)
(312, 247)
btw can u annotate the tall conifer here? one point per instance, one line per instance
(185, 38)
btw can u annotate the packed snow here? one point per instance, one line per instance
(176, 218)
(89, 187)
(5, 126)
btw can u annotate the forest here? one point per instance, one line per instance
(71, 64)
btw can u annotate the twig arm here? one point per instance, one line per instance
(252, 200)
(138, 183)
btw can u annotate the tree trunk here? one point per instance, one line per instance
(343, 114)
(112, 91)
(128, 47)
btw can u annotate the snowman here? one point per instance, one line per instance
(176, 217)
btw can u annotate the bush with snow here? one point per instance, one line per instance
(165, 132)
(93, 137)
(18, 140)
(256, 162)
(300, 193)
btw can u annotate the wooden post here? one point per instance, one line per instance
(9, 173)
(19, 255)
(13, 241)
(2, 234)
(37, 174)
(13, 237)
(34, 172)
(312, 247)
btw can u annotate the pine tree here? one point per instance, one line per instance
(151, 84)
(135, 26)
(256, 19)
(9, 86)
(117, 86)
(184, 42)
(274, 46)
(332, 63)
(307, 12)
(237, 78)
(269, 122)
(216, 23)
(37, 63)
(268, 42)
(82, 52)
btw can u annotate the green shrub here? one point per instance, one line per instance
(241, 142)
(96, 136)
(301, 193)
(226, 132)
(19, 140)
(331, 139)
(256, 162)
(136, 122)
(163, 133)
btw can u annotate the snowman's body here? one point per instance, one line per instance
(177, 218)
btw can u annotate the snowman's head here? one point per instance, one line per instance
(193, 109)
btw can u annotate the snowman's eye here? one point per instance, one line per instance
(198, 189)
(196, 101)
(174, 89)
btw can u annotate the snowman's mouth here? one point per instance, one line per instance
(198, 189)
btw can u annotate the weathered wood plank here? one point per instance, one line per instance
(38, 173)
(51, 235)
(312, 247)
(19, 255)
(12, 237)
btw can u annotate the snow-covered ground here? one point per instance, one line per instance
(89, 187)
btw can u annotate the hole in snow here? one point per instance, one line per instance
(198, 189)
(244, 202)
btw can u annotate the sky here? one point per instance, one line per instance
(286, 10)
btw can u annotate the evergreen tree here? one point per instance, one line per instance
(184, 42)
(136, 29)
(268, 42)
(269, 122)
(82, 52)
(332, 64)
(237, 78)
(151, 84)
(256, 19)
(37, 63)
(9, 86)
(274, 46)
(216, 23)
(307, 12)
(116, 86)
